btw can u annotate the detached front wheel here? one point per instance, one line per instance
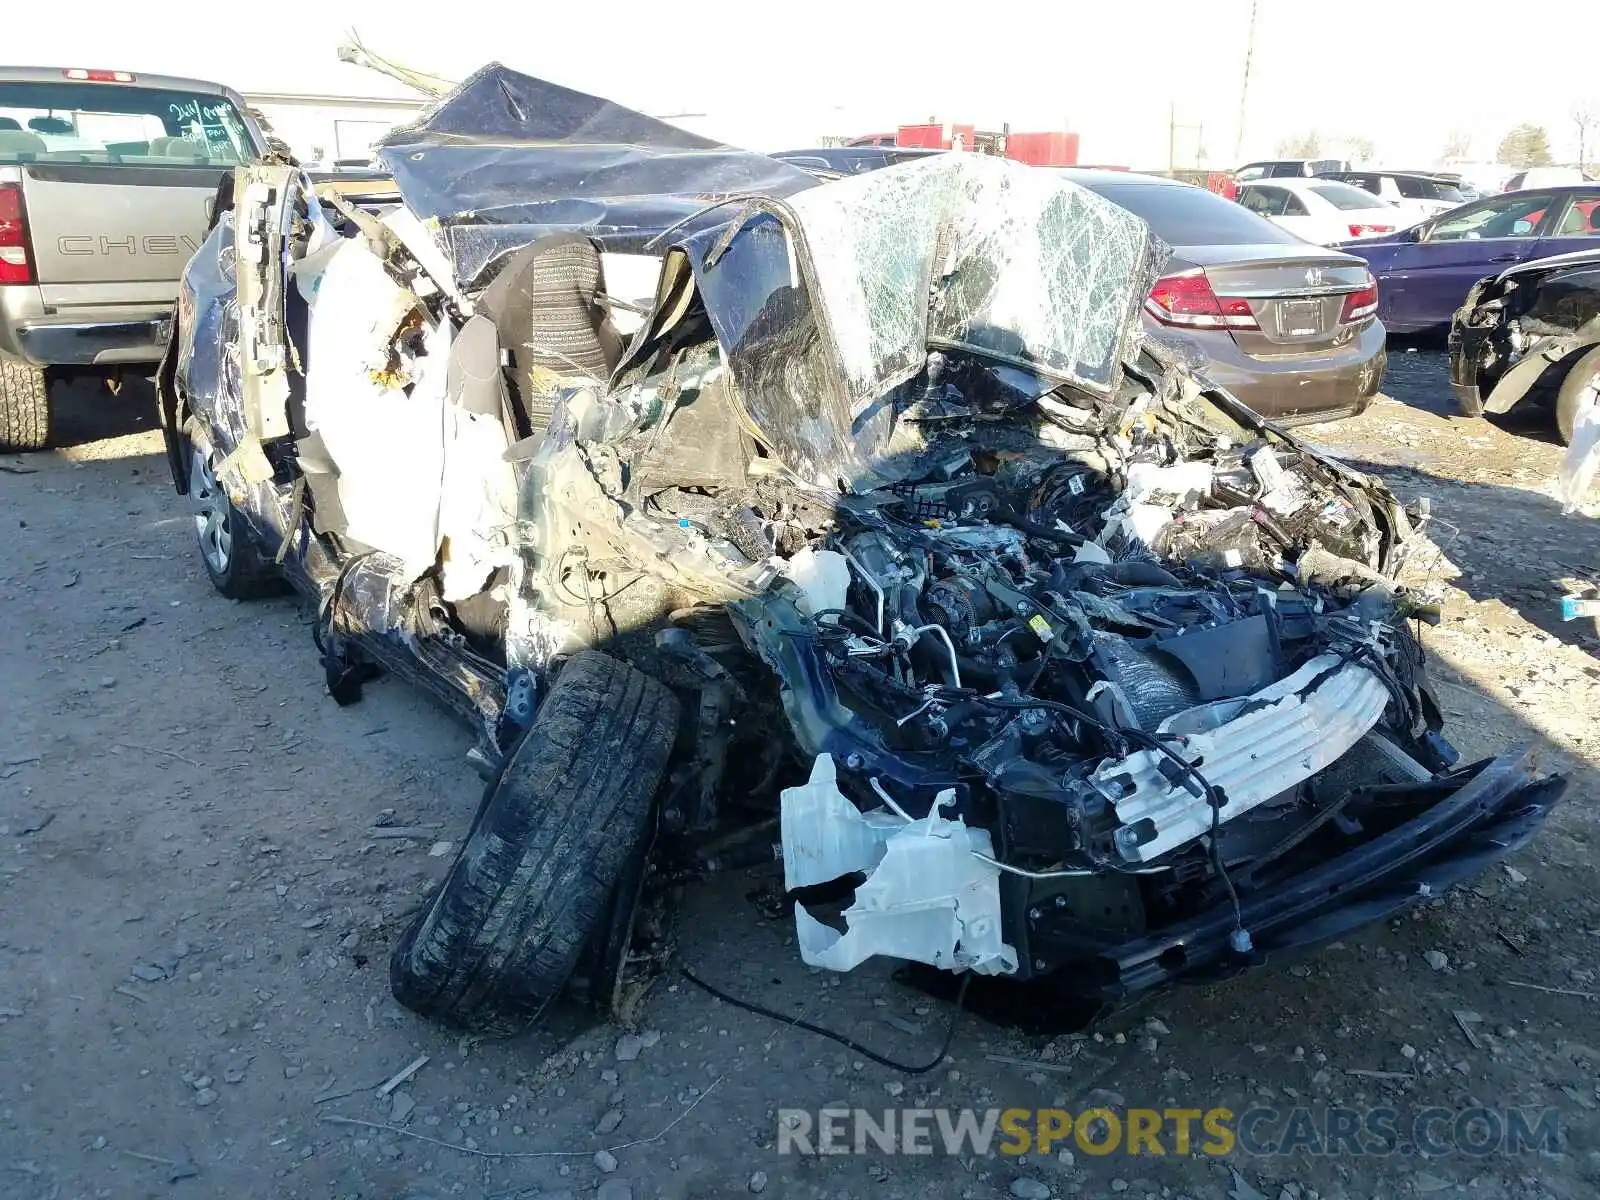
(24, 407)
(548, 858)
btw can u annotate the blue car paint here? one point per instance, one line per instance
(1421, 283)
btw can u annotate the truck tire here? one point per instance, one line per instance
(24, 407)
(500, 937)
(1585, 374)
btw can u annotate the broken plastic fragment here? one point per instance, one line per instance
(824, 577)
(1583, 455)
(926, 898)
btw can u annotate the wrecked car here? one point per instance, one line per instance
(724, 503)
(1530, 336)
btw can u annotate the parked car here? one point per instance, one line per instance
(882, 494)
(1469, 190)
(1287, 168)
(1321, 210)
(1544, 177)
(1415, 195)
(1425, 272)
(1530, 336)
(852, 160)
(1286, 326)
(106, 184)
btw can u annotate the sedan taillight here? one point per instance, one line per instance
(1357, 231)
(1186, 300)
(1361, 303)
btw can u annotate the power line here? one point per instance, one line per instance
(1244, 87)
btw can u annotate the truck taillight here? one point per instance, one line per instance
(1186, 299)
(15, 265)
(1360, 304)
(98, 76)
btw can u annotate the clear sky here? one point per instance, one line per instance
(1405, 74)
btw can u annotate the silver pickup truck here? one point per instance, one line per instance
(107, 183)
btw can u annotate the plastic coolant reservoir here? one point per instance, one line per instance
(824, 577)
(926, 898)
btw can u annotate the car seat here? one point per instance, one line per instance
(176, 147)
(546, 305)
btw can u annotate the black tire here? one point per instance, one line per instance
(1573, 387)
(502, 934)
(24, 407)
(228, 550)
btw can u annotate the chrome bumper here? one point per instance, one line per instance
(95, 343)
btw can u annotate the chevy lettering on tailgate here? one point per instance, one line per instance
(149, 243)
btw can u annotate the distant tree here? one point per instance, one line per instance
(1585, 119)
(1359, 148)
(1526, 146)
(1303, 145)
(1457, 145)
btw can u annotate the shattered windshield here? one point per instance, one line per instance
(971, 252)
(958, 252)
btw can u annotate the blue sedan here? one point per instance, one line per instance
(1424, 272)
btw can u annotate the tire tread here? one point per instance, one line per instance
(502, 934)
(24, 407)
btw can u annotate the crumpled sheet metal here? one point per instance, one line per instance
(977, 253)
(506, 158)
(208, 330)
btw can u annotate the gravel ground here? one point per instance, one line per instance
(196, 920)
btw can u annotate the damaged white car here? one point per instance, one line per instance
(684, 477)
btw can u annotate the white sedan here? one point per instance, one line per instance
(1323, 211)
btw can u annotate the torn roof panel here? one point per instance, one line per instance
(528, 157)
(497, 104)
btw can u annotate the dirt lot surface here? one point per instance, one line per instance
(195, 916)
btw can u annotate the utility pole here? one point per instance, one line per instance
(1244, 87)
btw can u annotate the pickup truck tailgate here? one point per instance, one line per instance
(127, 226)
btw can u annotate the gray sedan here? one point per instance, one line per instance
(1288, 327)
